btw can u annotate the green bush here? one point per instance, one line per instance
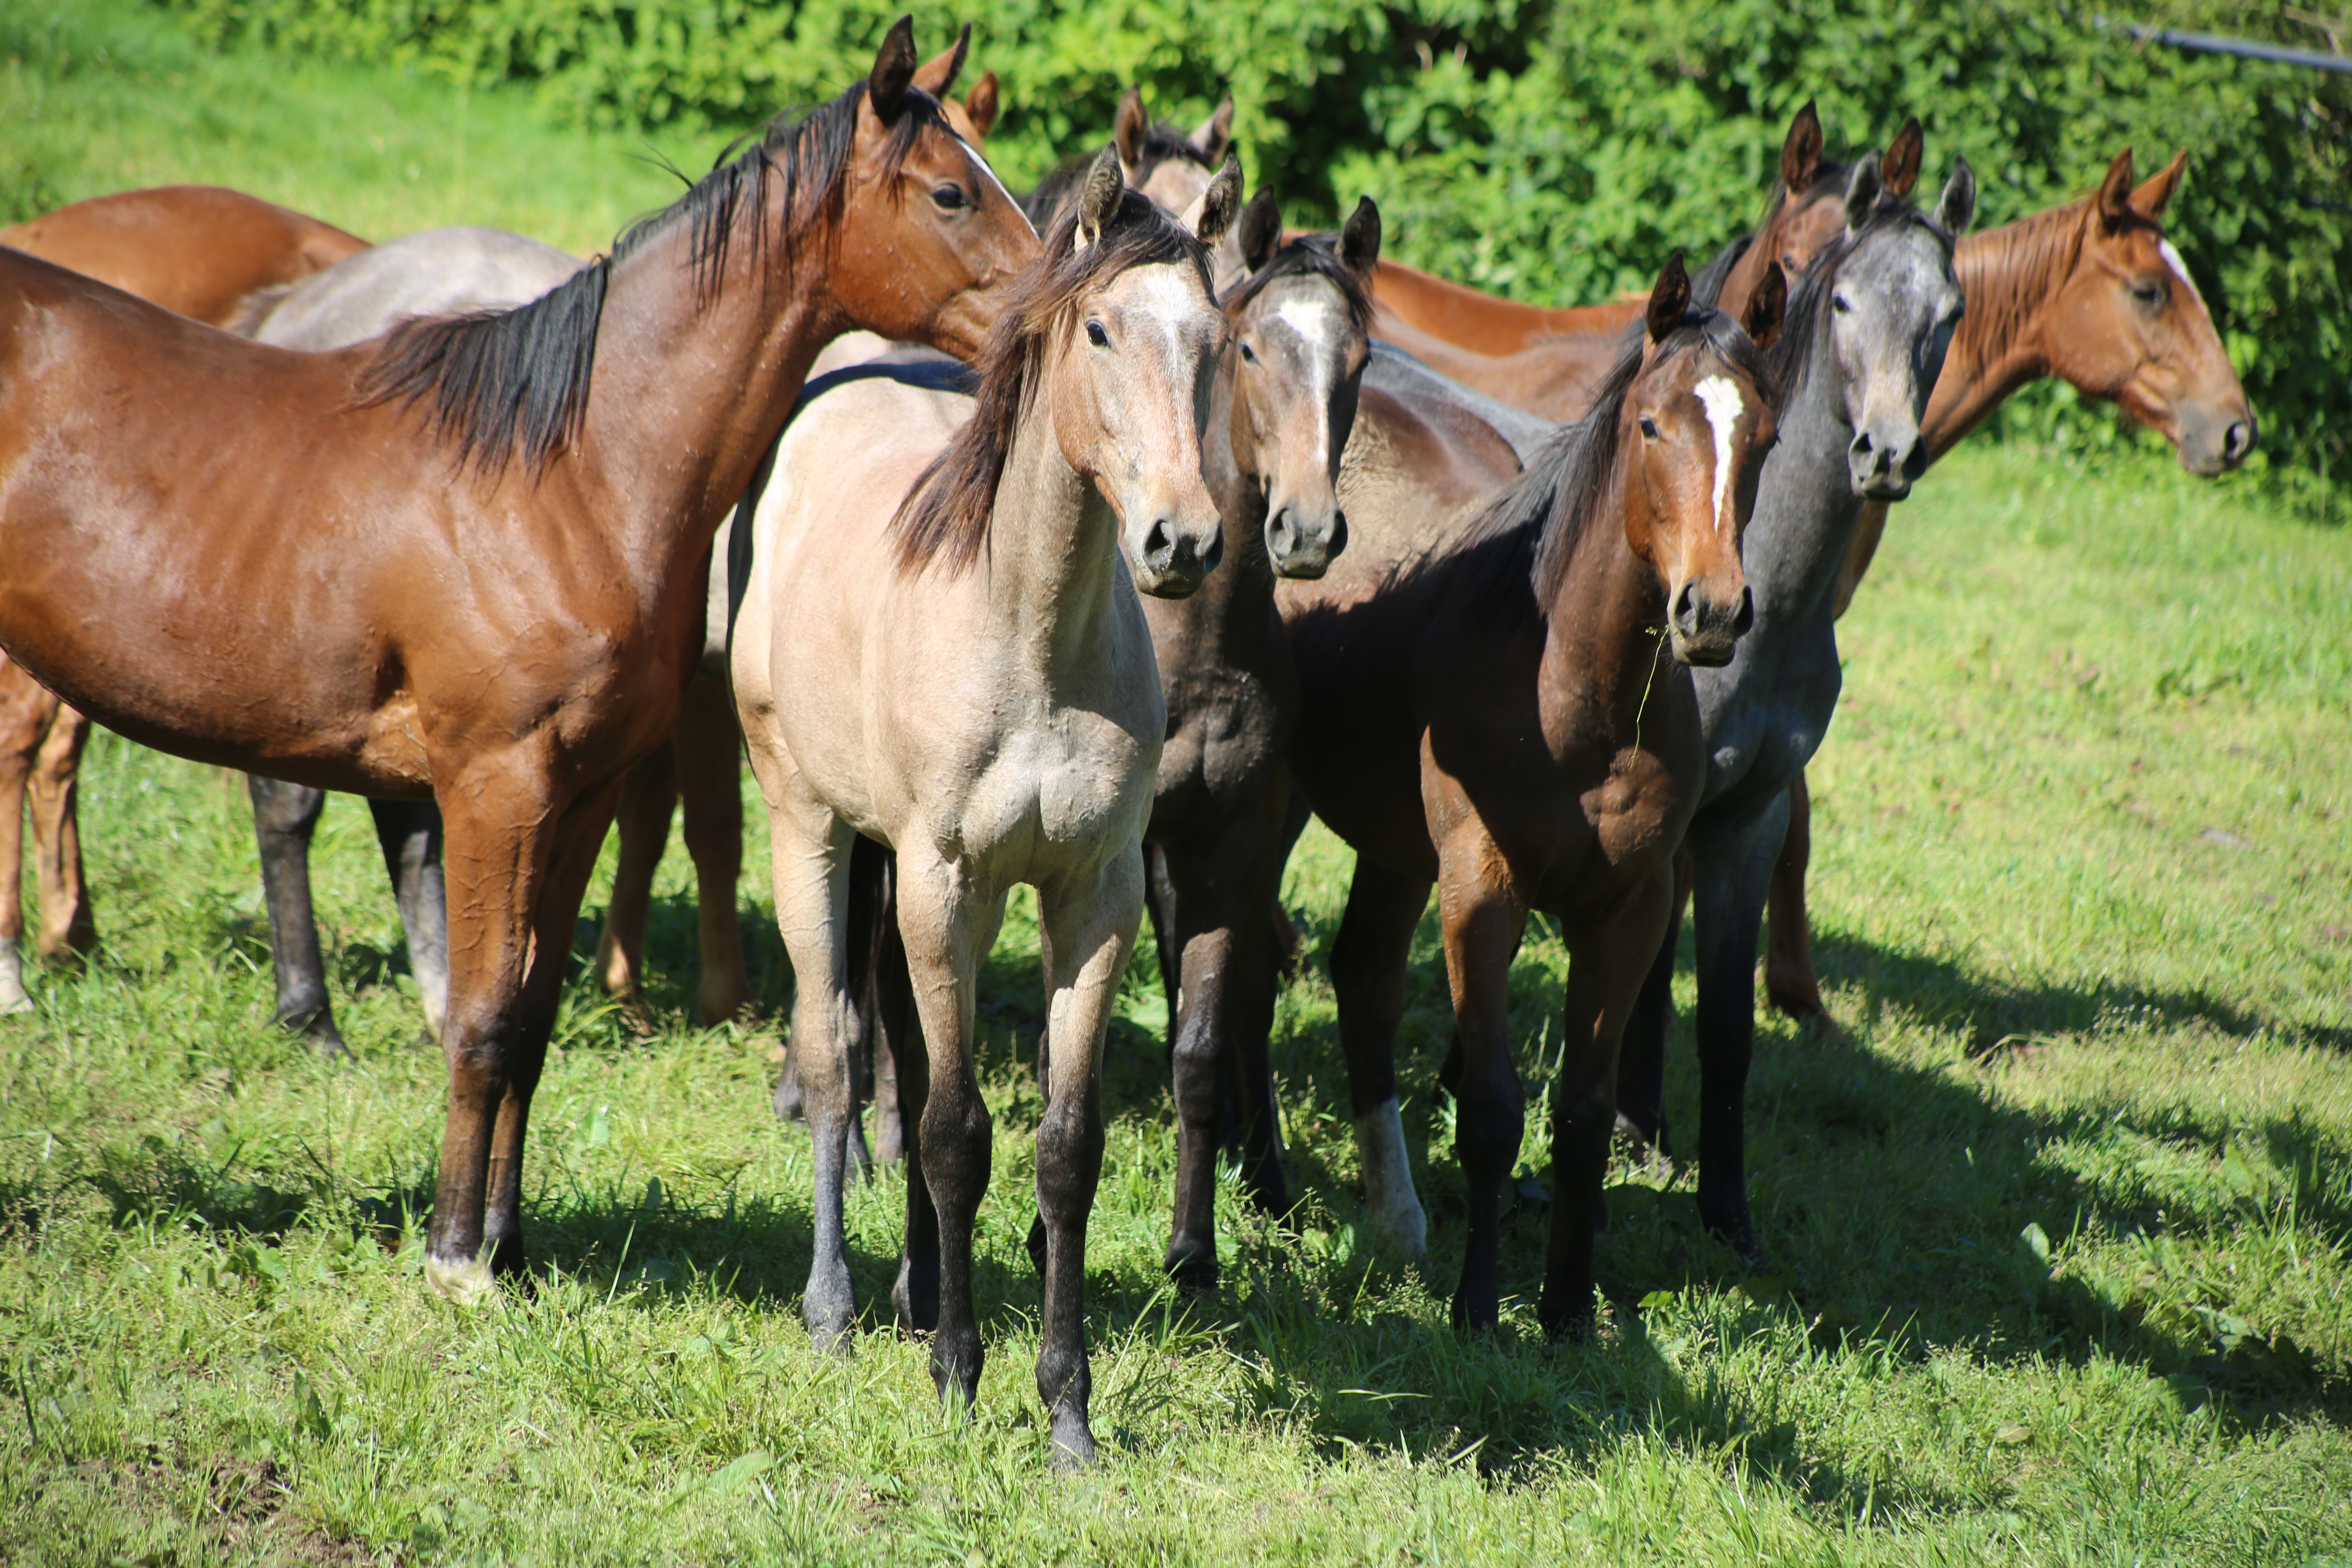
(1552, 149)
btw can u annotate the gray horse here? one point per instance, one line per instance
(440, 272)
(1863, 341)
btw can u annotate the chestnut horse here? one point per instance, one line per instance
(1501, 708)
(463, 560)
(2090, 292)
(205, 253)
(1553, 371)
(937, 645)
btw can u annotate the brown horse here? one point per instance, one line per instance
(1561, 357)
(463, 560)
(205, 253)
(1506, 713)
(2090, 292)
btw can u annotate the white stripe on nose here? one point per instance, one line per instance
(2179, 270)
(1724, 406)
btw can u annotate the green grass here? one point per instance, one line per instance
(2060, 1235)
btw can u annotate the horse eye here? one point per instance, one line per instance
(1649, 428)
(1248, 355)
(1096, 336)
(1843, 305)
(947, 197)
(2149, 293)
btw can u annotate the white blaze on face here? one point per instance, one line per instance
(988, 172)
(1724, 406)
(1317, 325)
(2179, 270)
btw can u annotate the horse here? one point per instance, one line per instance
(1868, 327)
(462, 560)
(2090, 292)
(938, 644)
(1553, 372)
(1500, 707)
(206, 253)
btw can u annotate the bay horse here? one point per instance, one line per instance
(1867, 330)
(937, 645)
(1553, 369)
(2090, 292)
(462, 560)
(206, 253)
(1501, 708)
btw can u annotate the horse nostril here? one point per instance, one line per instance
(1283, 534)
(1157, 545)
(1216, 553)
(2237, 441)
(1747, 616)
(1685, 612)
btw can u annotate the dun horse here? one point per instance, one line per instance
(476, 540)
(1867, 330)
(2090, 292)
(937, 645)
(1506, 713)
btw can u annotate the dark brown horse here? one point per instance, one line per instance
(205, 253)
(463, 560)
(1506, 713)
(1554, 370)
(2093, 293)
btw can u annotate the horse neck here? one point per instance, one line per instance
(689, 395)
(1803, 520)
(2000, 345)
(1052, 562)
(1603, 637)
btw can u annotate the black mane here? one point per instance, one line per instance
(1308, 256)
(503, 383)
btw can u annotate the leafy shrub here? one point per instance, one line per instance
(1552, 149)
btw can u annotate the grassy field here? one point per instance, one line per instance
(2060, 1232)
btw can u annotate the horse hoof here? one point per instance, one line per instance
(1193, 1267)
(1074, 1443)
(467, 1282)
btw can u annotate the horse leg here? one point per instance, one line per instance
(1482, 925)
(870, 907)
(1734, 866)
(709, 746)
(23, 719)
(648, 791)
(947, 928)
(1641, 1055)
(1789, 980)
(886, 999)
(68, 927)
(409, 834)
(1609, 966)
(809, 855)
(521, 862)
(1367, 970)
(285, 816)
(1089, 931)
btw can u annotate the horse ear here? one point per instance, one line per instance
(2150, 200)
(1669, 301)
(1210, 216)
(1359, 241)
(1899, 170)
(2115, 191)
(937, 75)
(1128, 126)
(894, 71)
(1957, 207)
(1800, 154)
(1766, 307)
(982, 105)
(1098, 195)
(1261, 230)
(1216, 133)
(1860, 192)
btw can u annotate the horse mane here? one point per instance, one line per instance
(1308, 256)
(1161, 143)
(1530, 532)
(510, 383)
(945, 516)
(1789, 361)
(2024, 254)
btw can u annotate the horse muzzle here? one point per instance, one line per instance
(2216, 441)
(1301, 546)
(1883, 461)
(1172, 560)
(1706, 625)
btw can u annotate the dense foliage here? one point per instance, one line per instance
(1552, 149)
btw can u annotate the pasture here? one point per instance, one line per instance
(2059, 1233)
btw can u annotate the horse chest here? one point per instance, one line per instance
(1071, 782)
